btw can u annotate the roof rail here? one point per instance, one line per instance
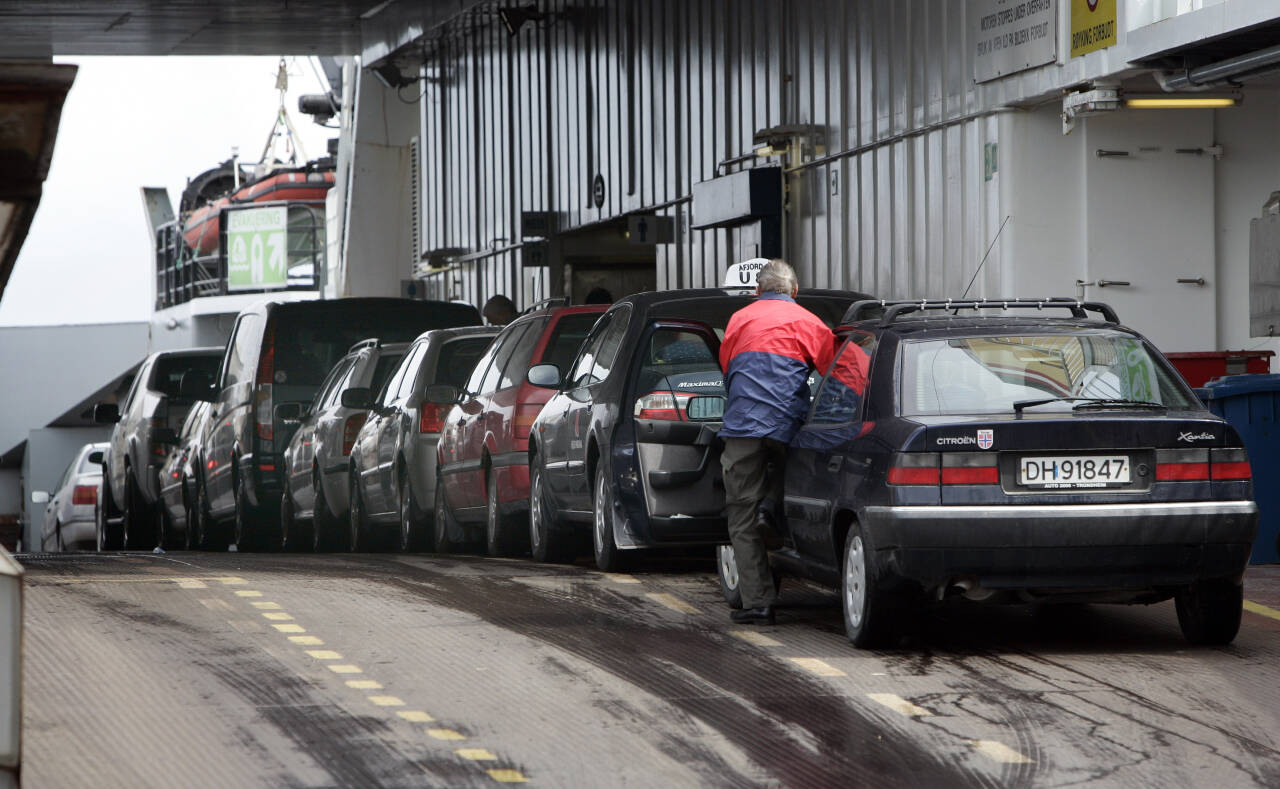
(372, 342)
(889, 311)
(562, 301)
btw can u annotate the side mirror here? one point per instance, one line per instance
(163, 435)
(358, 397)
(290, 412)
(106, 413)
(197, 385)
(545, 375)
(443, 393)
(96, 457)
(706, 408)
(39, 497)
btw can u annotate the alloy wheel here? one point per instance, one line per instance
(855, 580)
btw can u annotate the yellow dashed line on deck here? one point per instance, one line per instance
(276, 616)
(1000, 752)
(621, 578)
(290, 628)
(365, 684)
(261, 606)
(232, 580)
(247, 593)
(324, 654)
(191, 583)
(306, 641)
(672, 602)
(345, 668)
(386, 701)
(507, 776)
(415, 716)
(476, 754)
(446, 734)
(898, 704)
(1261, 610)
(753, 637)
(815, 666)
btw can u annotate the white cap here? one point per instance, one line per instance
(743, 275)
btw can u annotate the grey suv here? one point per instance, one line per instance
(146, 425)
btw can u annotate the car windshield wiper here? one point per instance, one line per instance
(1090, 402)
(1118, 402)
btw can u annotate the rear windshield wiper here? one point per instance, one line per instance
(1090, 402)
(1114, 402)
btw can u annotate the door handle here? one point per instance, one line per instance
(835, 463)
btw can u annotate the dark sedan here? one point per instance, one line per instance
(1019, 456)
(617, 452)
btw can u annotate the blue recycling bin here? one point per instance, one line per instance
(1251, 403)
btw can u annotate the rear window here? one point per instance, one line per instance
(675, 367)
(989, 374)
(567, 336)
(167, 373)
(313, 336)
(386, 365)
(458, 358)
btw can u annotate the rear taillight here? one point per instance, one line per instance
(1182, 465)
(85, 494)
(525, 415)
(1229, 464)
(914, 468)
(951, 468)
(262, 393)
(970, 468)
(661, 405)
(350, 430)
(430, 418)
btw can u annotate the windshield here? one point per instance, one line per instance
(989, 374)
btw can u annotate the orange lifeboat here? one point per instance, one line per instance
(201, 229)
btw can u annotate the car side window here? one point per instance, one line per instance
(324, 397)
(597, 356)
(513, 372)
(408, 370)
(840, 396)
(502, 353)
(138, 378)
(472, 386)
(242, 360)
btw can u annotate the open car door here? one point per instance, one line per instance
(678, 403)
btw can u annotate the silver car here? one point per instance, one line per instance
(69, 522)
(393, 462)
(313, 509)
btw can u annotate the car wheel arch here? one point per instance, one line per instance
(841, 522)
(593, 461)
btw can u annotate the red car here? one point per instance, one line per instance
(483, 462)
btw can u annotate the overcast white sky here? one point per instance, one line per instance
(129, 123)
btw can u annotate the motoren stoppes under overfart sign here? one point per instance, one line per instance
(1093, 25)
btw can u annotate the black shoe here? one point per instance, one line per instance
(753, 616)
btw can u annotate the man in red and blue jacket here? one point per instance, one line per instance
(768, 349)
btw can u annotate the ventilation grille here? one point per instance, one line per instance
(415, 206)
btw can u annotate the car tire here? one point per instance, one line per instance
(190, 538)
(137, 522)
(546, 542)
(608, 557)
(324, 525)
(1209, 611)
(727, 574)
(209, 535)
(293, 537)
(357, 524)
(108, 534)
(410, 522)
(866, 607)
(499, 540)
(445, 525)
(57, 537)
(249, 529)
(164, 530)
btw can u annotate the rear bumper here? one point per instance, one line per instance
(1086, 546)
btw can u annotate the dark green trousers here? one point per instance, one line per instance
(746, 483)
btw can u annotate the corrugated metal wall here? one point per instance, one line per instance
(887, 191)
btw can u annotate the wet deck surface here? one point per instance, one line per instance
(193, 669)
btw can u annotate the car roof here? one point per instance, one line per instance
(455, 332)
(649, 298)
(211, 350)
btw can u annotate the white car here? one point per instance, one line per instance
(69, 517)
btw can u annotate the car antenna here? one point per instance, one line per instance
(984, 258)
